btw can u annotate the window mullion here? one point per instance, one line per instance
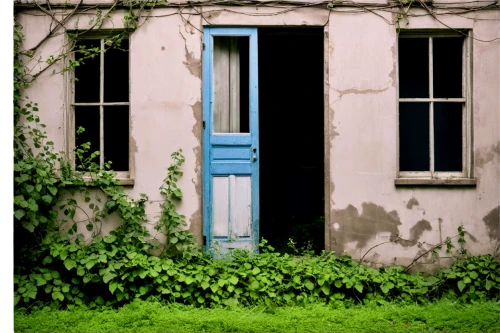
(101, 107)
(431, 108)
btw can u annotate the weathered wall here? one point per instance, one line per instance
(364, 207)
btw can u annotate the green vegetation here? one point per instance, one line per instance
(153, 317)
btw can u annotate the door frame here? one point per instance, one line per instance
(207, 64)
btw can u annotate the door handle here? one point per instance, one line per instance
(254, 158)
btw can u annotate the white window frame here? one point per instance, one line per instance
(123, 177)
(432, 177)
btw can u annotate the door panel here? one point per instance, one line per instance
(230, 139)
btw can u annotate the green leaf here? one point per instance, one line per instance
(69, 264)
(473, 275)
(254, 285)
(30, 227)
(80, 271)
(309, 285)
(386, 286)
(325, 288)
(214, 287)
(57, 295)
(233, 279)
(205, 285)
(359, 287)
(256, 270)
(16, 300)
(338, 283)
(108, 276)
(65, 288)
(90, 264)
(40, 281)
(19, 214)
(112, 287)
(488, 285)
(467, 279)
(461, 285)
(52, 189)
(47, 198)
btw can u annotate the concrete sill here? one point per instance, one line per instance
(126, 181)
(121, 181)
(434, 182)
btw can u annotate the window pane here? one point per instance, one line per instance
(413, 67)
(88, 118)
(116, 136)
(447, 61)
(414, 137)
(116, 77)
(231, 85)
(448, 136)
(87, 74)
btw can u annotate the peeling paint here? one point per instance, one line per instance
(333, 128)
(214, 14)
(492, 221)
(411, 203)
(196, 220)
(361, 228)
(193, 64)
(393, 73)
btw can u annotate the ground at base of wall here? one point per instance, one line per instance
(443, 316)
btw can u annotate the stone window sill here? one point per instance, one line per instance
(435, 181)
(122, 181)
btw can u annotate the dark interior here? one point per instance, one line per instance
(291, 135)
(414, 128)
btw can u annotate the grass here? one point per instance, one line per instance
(444, 316)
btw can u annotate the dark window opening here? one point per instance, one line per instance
(414, 137)
(291, 130)
(413, 67)
(432, 96)
(101, 102)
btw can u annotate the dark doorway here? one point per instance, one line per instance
(291, 131)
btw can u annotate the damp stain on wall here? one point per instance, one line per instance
(360, 228)
(412, 202)
(492, 221)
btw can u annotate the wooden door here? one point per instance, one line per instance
(230, 139)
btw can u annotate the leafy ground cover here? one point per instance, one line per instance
(143, 316)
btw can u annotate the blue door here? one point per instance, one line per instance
(230, 139)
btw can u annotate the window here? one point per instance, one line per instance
(101, 102)
(434, 108)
